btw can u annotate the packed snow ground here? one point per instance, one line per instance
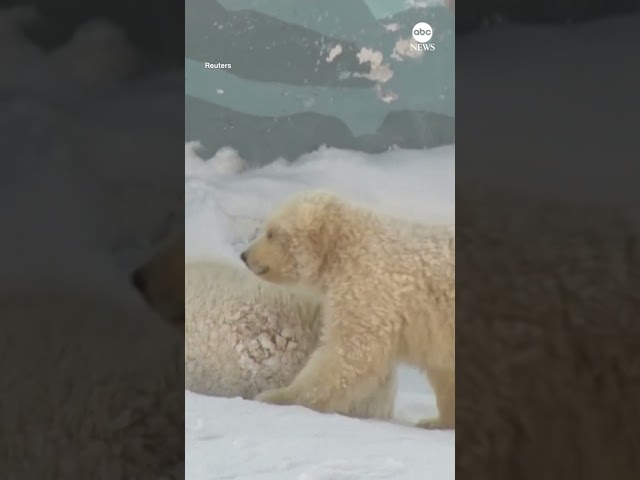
(241, 439)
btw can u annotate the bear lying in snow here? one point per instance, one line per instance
(242, 335)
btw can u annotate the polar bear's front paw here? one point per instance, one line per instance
(277, 396)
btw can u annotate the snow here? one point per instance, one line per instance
(240, 439)
(225, 200)
(234, 438)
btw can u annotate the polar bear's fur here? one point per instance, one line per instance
(389, 291)
(244, 336)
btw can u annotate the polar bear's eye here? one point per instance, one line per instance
(269, 234)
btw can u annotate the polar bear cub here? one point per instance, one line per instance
(389, 293)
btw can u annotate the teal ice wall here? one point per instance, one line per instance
(283, 97)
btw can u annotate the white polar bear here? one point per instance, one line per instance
(388, 286)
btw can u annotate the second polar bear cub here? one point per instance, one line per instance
(389, 291)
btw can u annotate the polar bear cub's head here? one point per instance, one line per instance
(297, 238)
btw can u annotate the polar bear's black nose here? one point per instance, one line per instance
(243, 256)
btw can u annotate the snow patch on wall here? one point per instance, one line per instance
(380, 72)
(403, 49)
(333, 53)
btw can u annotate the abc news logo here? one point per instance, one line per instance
(422, 33)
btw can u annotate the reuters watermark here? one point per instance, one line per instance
(216, 66)
(422, 33)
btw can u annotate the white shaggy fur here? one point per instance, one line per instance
(389, 292)
(244, 336)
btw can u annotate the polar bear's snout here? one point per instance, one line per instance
(254, 266)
